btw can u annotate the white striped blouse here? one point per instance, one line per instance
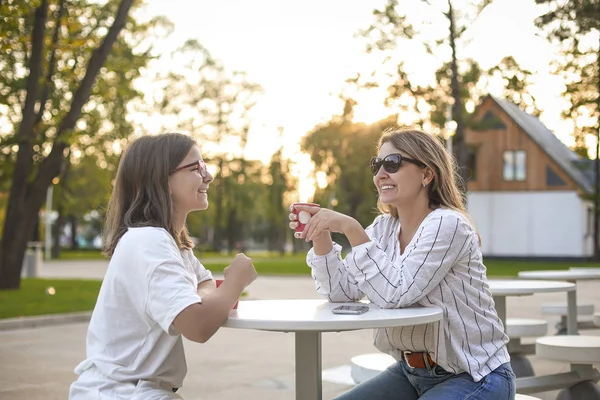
(442, 266)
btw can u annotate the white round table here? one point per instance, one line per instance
(308, 319)
(501, 288)
(569, 276)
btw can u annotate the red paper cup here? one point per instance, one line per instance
(219, 281)
(303, 218)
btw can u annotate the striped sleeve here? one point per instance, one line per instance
(330, 271)
(331, 276)
(436, 247)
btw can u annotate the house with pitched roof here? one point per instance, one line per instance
(529, 194)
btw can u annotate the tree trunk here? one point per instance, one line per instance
(56, 229)
(231, 230)
(35, 233)
(26, 199)
(458, 142)
(281, 243)
(73, 226)
(597, 177)
(218, 199)
(18, 224)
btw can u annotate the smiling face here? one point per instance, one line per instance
(188, 186)
(403, 187)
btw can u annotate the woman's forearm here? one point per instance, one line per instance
(322, 244)
(356, 233)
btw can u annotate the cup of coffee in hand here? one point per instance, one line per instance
(302, 217)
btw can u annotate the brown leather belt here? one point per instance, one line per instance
(417, 359)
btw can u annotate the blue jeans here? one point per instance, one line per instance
(405, 383)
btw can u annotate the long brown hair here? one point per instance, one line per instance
(141, 195)
(444, 188)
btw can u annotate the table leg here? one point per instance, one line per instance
(572, 312)
(308, 366)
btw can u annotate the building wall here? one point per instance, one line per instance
(531, 224)
(490, 145)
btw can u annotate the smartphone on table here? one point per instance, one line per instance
(351, 310)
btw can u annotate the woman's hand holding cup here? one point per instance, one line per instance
(300, 215)
(319, 221)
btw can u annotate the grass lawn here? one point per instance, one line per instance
(80, 295)
(31, 299)
(81, 255)
(274, 264)
(296, 265)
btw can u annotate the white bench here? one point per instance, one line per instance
(526, 327)
(561, 309)
(516, 329)
(581, 352)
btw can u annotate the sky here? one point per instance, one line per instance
(302, 52)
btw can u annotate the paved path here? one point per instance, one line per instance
(38, 363)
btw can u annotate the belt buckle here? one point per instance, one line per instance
(407, 353)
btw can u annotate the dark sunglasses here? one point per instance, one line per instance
(200, 165)
(391, 163)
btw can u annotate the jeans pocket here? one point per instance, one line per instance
(440, 372)
(506, 371)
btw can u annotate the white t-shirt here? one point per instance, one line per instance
(149, 281)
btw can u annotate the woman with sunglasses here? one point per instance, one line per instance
(421, 250)
(155, 290)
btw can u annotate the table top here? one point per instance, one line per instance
(567, 275)
(517, 287)
(316, 315)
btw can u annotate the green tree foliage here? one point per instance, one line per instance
(575, 26)
(341, 149)
(393, 27)
(516, 82)
(439, 96)
(213, 104)
(473, 83)
(66, 73)
(280, 183)
(84, 188)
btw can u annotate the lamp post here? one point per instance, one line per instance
(449, 128)
(48, 235)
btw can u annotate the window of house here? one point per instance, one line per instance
(515, 165)
(491, 121)
(552, 178)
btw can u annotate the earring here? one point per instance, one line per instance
(424, 184)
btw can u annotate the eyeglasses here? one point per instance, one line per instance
(391, 163)
(200, 166)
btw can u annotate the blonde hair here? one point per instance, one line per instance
(141, 195)
(444, 189)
